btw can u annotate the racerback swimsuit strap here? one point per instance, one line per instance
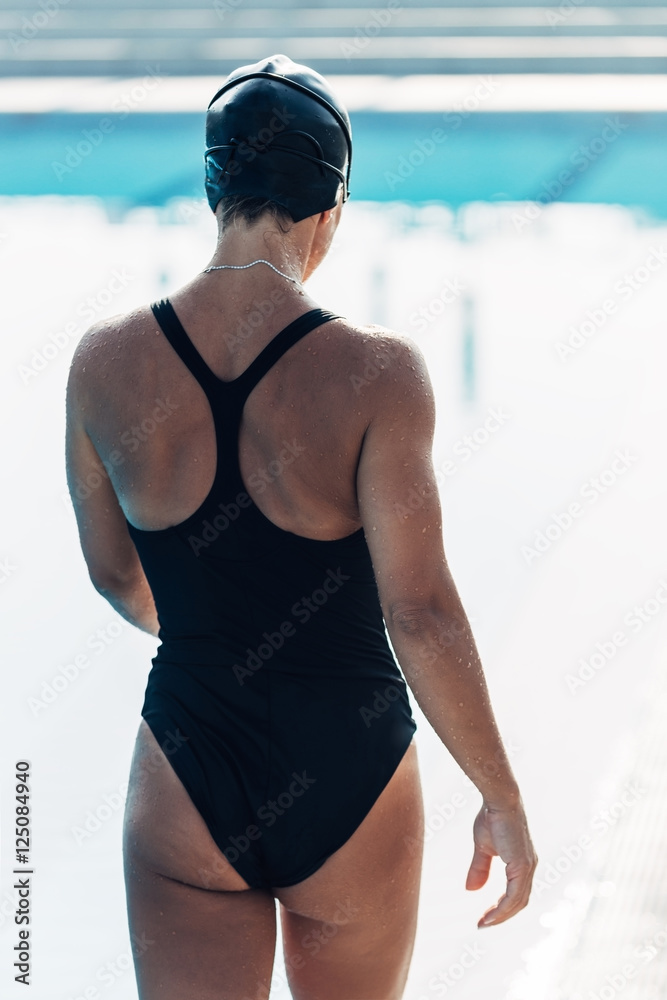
(242, 386)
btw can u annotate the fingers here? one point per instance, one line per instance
(515, 898)
(479, 869)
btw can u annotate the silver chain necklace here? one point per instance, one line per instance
(241, 267)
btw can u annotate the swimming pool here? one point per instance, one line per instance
(150, 158)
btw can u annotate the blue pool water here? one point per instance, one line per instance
(149, 158)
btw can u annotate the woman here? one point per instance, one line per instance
(281, 509)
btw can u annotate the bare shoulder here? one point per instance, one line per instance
(110, 343)
(371, 339)
(385, 364)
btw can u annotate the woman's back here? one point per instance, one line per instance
(273, 646)
(302, 427)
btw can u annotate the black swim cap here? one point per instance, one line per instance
(275, 130)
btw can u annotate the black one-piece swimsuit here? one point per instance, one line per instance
(274, 692)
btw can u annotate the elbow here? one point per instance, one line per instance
(106, 583)
(429, 624)
(103, 585)
(415, 620)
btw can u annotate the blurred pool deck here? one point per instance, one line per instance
(620, 940)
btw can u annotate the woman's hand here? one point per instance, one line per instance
(503, 832)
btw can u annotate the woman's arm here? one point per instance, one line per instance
(110, 554)
(425, 619)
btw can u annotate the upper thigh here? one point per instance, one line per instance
(379, 867)
(163, 831)
(349, 929)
